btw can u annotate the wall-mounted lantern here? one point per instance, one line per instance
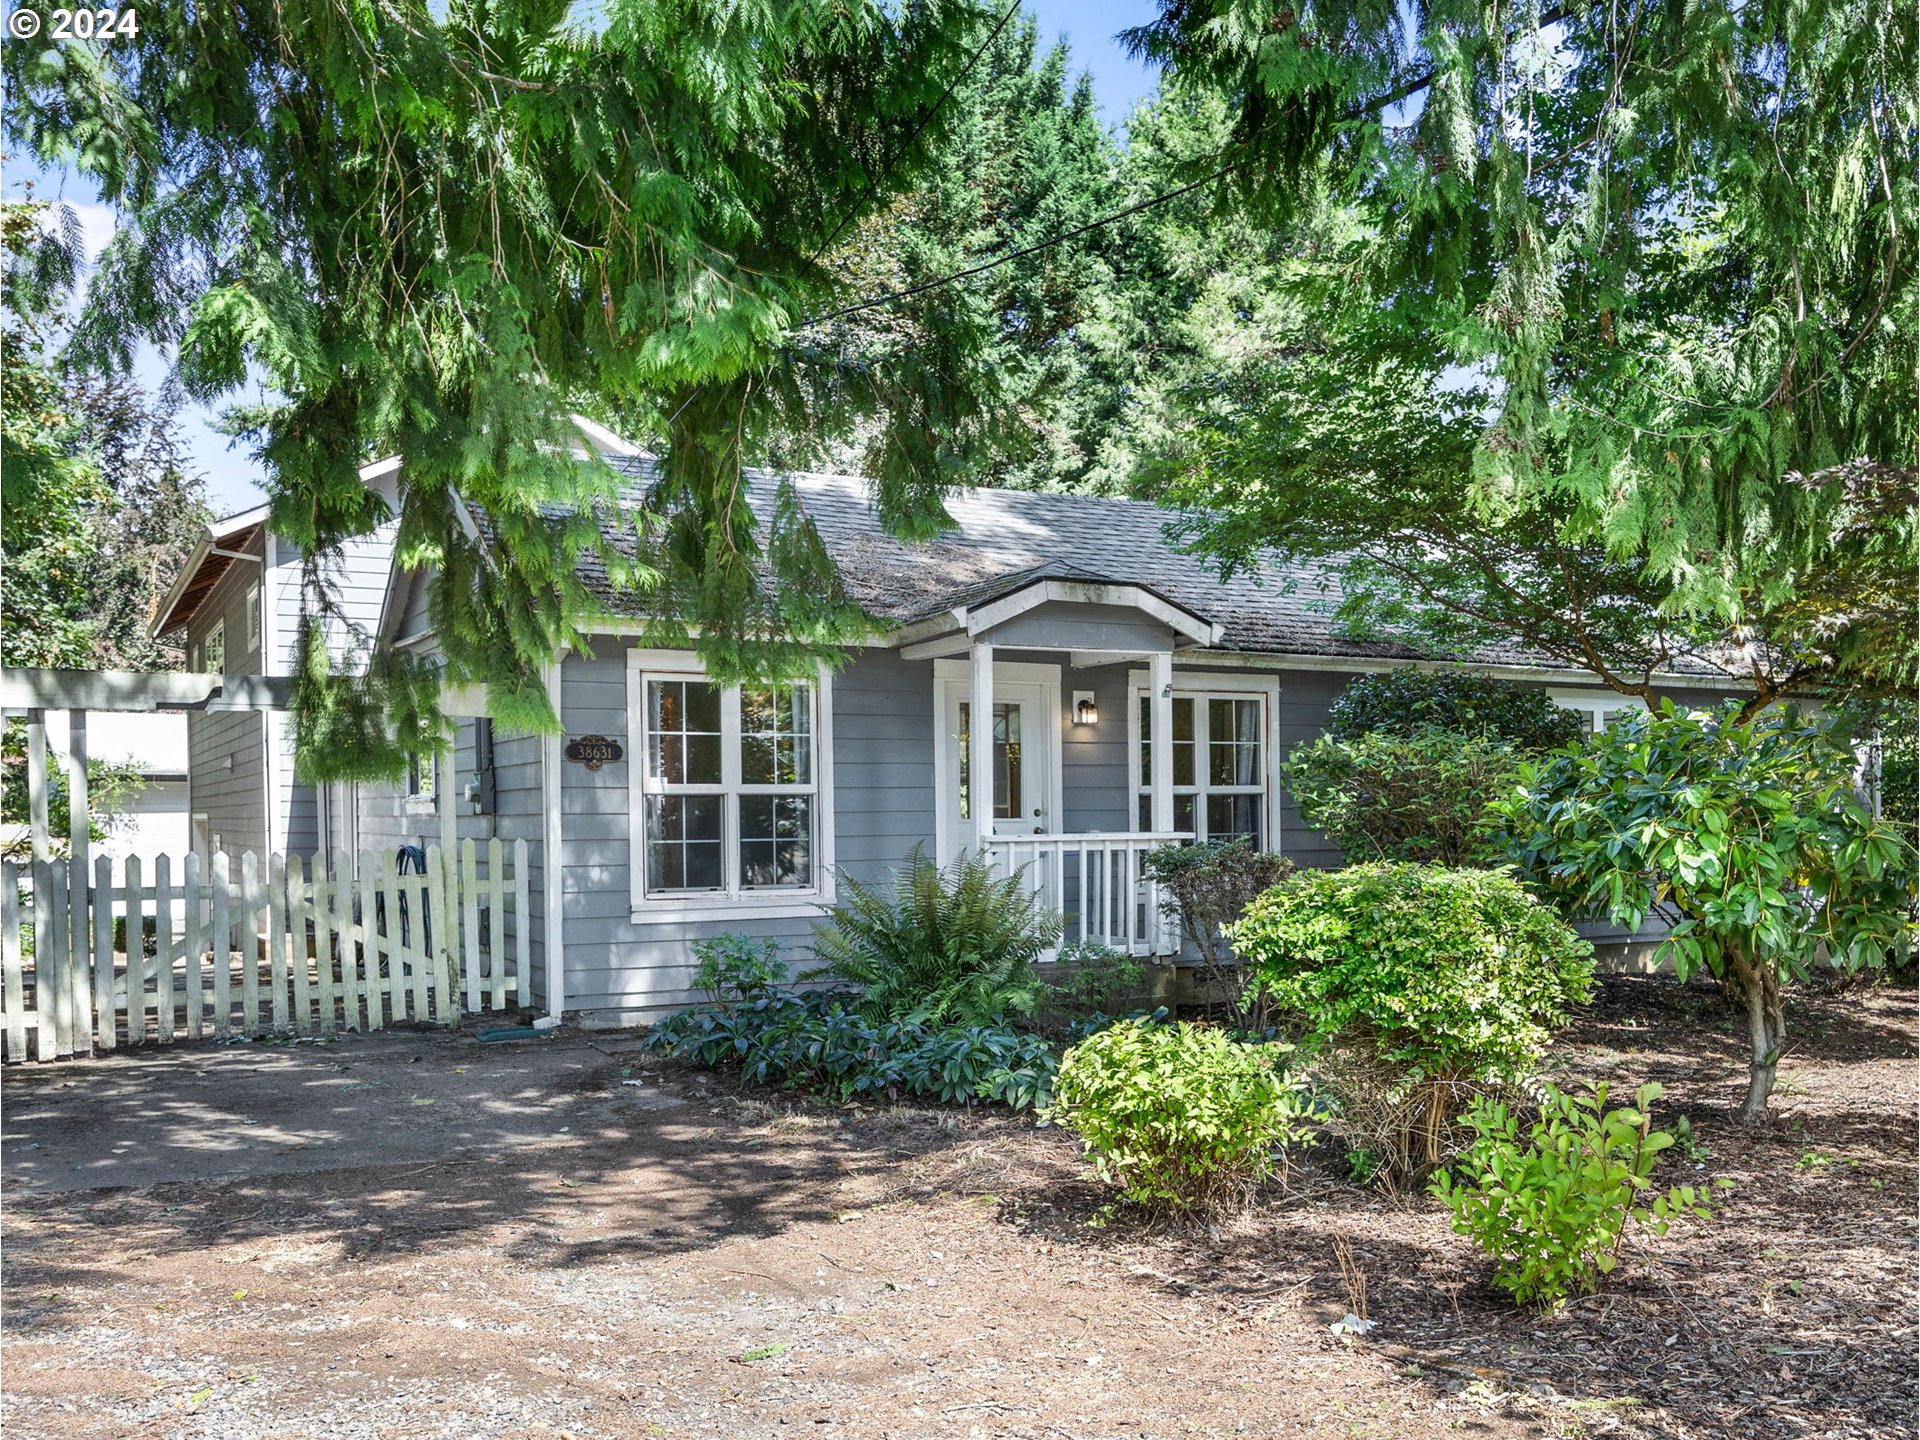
(1085, 711)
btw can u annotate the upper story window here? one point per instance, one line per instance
(1219, 765)
(728, 788)
(214, 652)
(253, 618)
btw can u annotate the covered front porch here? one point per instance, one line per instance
(1079, 676)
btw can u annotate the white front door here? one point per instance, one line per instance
(1026, 725)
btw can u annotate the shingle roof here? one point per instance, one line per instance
(1005, 539)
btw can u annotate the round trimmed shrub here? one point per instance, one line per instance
(1404, 702)
(1185, 1119)
(1426, 985)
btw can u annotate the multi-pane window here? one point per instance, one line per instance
(728, 785)
(253, 617)
(1219, 766)
(214, 655)
(1599, 713)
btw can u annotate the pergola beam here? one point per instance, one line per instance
(138, 692)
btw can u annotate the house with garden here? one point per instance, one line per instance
(673, 809)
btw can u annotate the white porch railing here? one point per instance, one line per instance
(1095, 882)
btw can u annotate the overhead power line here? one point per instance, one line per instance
(1404, 91)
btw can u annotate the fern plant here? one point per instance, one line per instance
(946, 946)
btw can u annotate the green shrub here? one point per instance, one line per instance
(1403, 702)
(1185, 1119)
(735, 968)
(947, 946)
(814, 1042)
(1421, 797)
(1427, 984)
(1552, 1204)
(1093, 979)
(1204, 889)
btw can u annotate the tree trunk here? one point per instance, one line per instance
(1766, 1031)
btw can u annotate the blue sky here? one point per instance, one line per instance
(233, 478)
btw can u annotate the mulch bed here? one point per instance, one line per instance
(1790, 1313)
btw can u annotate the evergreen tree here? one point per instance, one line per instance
(1618, 286)
(435, 230)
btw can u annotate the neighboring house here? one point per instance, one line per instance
(675, 809)
(151, 822)
(237, 602)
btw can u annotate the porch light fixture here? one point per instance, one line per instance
(1085, 712)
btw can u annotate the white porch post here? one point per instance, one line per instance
(980, 795)
(1160, 681)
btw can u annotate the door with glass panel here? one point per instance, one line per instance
(729, 793)
(1219, 765)
(1021, 756)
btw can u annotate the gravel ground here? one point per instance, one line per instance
(419, 1236)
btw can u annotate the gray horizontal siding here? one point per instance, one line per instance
(233, 798)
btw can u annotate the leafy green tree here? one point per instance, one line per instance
(52, 485)
(436, 230)
(1605, 291)
(1747, 839)
(100, 506)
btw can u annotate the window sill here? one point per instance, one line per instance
(693, 910)
(416, 805)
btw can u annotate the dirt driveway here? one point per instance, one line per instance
(422, 1236)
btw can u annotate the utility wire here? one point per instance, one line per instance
(997, 261)
(1408, 88)
(873, 184)
(918, 130)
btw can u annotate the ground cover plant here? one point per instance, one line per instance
(1205, 889)
(942, 945)
(1748, 838)
(1422, 986)
(1185, 1119)
(1552, 1202)
(818, 1042)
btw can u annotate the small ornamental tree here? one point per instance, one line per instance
(1749, 840)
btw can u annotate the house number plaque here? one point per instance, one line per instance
(593, 751)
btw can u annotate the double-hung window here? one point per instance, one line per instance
(1219, 765)
(728, 789)
(214, 655)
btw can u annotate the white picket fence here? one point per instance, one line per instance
(218, 948)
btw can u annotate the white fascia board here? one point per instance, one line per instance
(1083, 592)
(1356, 665)
(604, 439)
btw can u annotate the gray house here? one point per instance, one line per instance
(674, 809)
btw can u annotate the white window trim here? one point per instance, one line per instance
(424, 802)
(644, 665)
(253, 618)
(206, 646)
(1596, 704)
(1204, 686)
(949, 675)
